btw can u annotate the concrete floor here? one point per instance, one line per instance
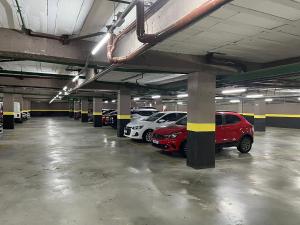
(59, 171)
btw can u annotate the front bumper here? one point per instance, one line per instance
(167, 145)
(133, 134)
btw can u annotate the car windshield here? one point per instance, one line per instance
(182, 121)
(144, 113)
(154, 117)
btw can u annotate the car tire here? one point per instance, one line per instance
(245, 145)
(218, 148)
(147, 136)
(183, 149)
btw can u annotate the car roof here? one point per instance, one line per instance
(174, 112)
(145, 109)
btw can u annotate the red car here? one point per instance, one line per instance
(232, 129)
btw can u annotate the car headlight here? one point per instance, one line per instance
(137, 127)
(174, 135)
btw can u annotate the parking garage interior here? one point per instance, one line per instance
(149, 112)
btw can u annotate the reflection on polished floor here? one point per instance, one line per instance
(61, 171)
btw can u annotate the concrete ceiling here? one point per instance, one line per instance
(256, 31)
(57, 17)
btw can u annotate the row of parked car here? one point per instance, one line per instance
(168, 130)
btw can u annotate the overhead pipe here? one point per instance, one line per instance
(195, 15)
(150, 41)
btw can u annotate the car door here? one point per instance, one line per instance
(220, 138)
(231, 128)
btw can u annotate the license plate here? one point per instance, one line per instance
(155, 142)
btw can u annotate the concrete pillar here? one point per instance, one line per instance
(8, 111)
(97, 111)
(260, 115)
(71, 109)
(76, 110)
(158, 105)
(240, 107)
(124, 114)
(201, 120)
(84, 110)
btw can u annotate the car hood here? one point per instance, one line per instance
(138, 123)
(170, 130)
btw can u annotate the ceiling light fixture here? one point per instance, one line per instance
(113, 101)
(155, 96)
(269, 100)
(59, 93)
(75, 78)
(136, 99)
(182, 95)
(101, 43)
(179, 103)
(255, 96)
(235, 101)
(219, 98)
(234, 91)
(105, 101)
(65, 88)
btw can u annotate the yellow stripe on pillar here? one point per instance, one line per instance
(84, 112)
(201, 127)
(97, 113)
(124, 117)
(260, 116)
(8, 113)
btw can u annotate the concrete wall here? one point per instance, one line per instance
(46, 109)
(285, 115)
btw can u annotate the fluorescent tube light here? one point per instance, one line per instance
(182, 95)
(156, 96)
(234, 91)
(103, 41)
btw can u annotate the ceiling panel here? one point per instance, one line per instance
(256, 31)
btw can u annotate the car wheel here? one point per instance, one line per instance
(218, 148)
(147, 136)
(245, 145)
(183, 149)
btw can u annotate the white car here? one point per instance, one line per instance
(143, 129)
(142, 113)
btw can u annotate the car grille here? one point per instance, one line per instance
(158, 136)
(127, 130)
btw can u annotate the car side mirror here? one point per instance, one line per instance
(161, 121)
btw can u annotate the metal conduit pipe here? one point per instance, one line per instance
(199, 13)
(150, 40)
(195, 15)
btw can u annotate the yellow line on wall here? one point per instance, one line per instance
(201, 127)
(284, 115)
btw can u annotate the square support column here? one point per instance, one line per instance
(76, 110)
(124, 114)
(84, 110)
(260, 115)
(201, 120)
(97, 111)
(8, 111)
(158, 105)
(71, 109)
